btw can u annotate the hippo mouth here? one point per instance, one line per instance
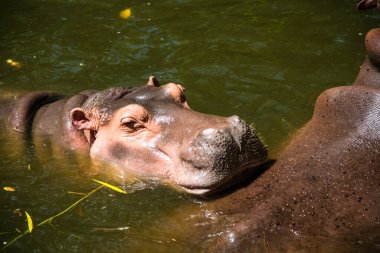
(239, 175)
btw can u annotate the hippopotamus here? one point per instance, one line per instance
(322, 192)
(368, 4)
(149, 131)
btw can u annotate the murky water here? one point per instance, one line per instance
(266, 61)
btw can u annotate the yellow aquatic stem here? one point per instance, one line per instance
(51, 218)
(70, 207)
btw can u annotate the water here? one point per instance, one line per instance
(266, 61)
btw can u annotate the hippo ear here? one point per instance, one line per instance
(81, 119)
(153, 82)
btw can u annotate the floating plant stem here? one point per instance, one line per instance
(49, 219)
(70, 207)
(110, 186)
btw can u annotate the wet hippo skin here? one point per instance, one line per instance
(149, 131)
(322, 194)
(368, 4)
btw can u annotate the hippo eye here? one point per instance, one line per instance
(131, 125)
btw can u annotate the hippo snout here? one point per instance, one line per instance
(209, 148)
(223, 152)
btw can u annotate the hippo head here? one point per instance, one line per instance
(151, 131)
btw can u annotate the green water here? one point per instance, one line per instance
(266, 61)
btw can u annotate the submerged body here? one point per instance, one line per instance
(149, 131)
(325, 184)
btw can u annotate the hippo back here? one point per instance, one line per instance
(325, 183)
